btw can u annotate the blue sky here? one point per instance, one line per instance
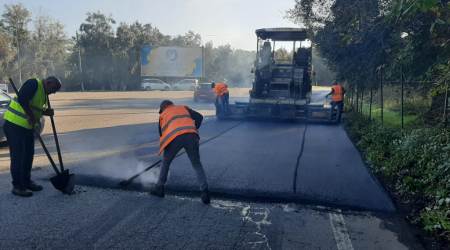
(220, 21)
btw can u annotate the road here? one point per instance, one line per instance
(275, 185)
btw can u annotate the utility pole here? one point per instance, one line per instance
(381, 95)
(79, 63)
(370, 103)
(402, 80)
(19, 59)
(446, 104)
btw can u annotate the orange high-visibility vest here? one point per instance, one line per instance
(338, 93)
(174, 121)
(220, 89)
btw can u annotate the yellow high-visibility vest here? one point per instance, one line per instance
(15, 113)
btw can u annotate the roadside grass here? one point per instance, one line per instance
(414, 164)
(392, 116)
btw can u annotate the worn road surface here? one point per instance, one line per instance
(275, 185)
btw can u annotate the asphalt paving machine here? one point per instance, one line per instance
(282, 79)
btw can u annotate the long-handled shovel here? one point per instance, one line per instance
(63, 181)
(128, 181)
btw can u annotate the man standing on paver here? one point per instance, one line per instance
(337, 100)
(21, 119)
(178, 128)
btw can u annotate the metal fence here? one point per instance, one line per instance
(399, 102)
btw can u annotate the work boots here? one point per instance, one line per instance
(34, 187)
(157, 190)
(21, 192)
(205, 197)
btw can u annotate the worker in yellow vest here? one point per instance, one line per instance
(178, 128)
(337, 100)
(21, 119)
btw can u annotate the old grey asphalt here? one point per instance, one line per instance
(105, 218)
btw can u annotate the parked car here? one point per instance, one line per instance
(204, 92)
(154, 84)
(185, 84)
(4, 87)
(5, 99)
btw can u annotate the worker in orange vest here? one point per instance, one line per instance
(178, 128)
(337, 100)
(222, 97)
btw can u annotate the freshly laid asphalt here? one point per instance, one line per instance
(270, 161)
(275, 185)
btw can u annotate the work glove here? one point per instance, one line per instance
(38, 127)
(49, 112)
(32, 121)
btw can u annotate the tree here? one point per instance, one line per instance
(190, 39)
(110, 58)
(145, 34)
(15, 21)
(226, 64)
(323, 75)
(358, 38)
(241, 64)
(47, 48)
(7, 55)
(97, 40)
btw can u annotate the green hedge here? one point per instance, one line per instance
(415, 163)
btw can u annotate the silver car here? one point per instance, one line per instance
(185, 84)
(154, 84)
(4, 103)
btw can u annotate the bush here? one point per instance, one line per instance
(415, 163)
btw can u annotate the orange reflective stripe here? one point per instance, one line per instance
(174, 121)
(167, 137)
(165, 126)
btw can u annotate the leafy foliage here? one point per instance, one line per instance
(358, 38)
(416, 165)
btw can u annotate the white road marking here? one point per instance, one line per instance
(340, 231)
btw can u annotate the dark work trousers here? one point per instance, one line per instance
(190, 142)
(340, 107)
(21, 151)
(226, 99)
(222, 103)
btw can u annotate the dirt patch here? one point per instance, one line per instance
(88, 110)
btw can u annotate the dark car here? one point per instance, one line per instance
(4, 103)
(203, 92)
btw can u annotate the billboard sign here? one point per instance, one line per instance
(172, 62)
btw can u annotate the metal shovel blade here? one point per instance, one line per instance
(64, 182)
